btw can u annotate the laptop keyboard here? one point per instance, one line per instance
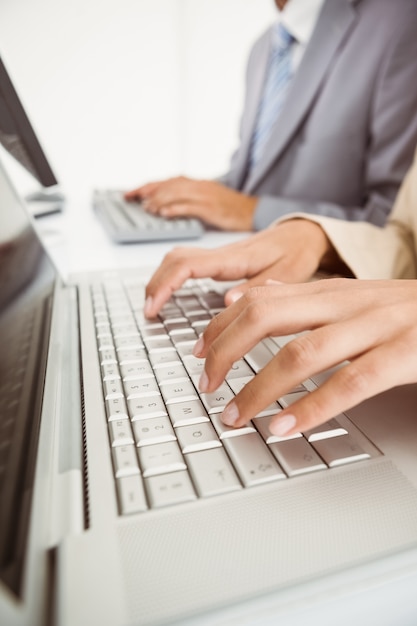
(130, 222)
(168, 444)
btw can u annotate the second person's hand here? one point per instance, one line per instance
(210, 201)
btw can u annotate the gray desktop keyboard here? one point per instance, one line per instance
(168, 443)
(128, 222)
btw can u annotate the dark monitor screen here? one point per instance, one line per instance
(17, 134)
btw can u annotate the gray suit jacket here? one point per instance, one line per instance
(374, 252)
(346, 135)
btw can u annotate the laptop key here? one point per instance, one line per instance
(253, 460)
(187, 413)
(239, 369)
(258, 357)
(161, 458)
(116, 409)
(197, 437)
(237, 384)
(120, 432)
(146, 407)
(228, 431)
(171, 374)
(169, 489)
(212, 472)
(133, 371)
(297, 456)
(332, 428)
(160, 358)
(154, 430)
(262, 424)
(216, 401)
(131, 495)
(141, 387)
(340, 450)
(125, 461)
(113, 388)
(178, 392)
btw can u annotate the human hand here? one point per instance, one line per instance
(291, 251)
(211, 202)
(369, 323)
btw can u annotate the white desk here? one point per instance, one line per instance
(382, 593)
(77, 241)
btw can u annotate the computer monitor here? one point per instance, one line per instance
(19, 139)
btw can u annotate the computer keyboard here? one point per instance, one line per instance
(128, 221)
(168, 443)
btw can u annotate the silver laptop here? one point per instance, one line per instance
(124, 500)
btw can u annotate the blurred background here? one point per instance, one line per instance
(121, 92)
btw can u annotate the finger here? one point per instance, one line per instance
(374, 372)
(226, 263)
(181, 264)
(176, 267)
(234, 332)
(272, 310)
(140, 192)
(233, 294)
(305, 356)
(169, 192)
(178, 209)
(297, 361)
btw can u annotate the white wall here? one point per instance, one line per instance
(125, 91)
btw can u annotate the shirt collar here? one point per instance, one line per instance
(300, 17)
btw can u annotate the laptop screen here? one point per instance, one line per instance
(27, 279)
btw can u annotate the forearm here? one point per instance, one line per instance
(365, 251)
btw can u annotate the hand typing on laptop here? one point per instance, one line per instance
(278, 253)
(369, 323)
(213, 203)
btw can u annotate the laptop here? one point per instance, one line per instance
(123, 498)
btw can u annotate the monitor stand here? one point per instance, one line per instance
(45, 201)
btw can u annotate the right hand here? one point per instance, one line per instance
(290, 252)
(368, 324)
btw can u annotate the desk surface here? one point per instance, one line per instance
(382, 593)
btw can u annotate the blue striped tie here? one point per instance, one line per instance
(275, 89)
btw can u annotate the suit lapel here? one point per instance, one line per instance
(335, 21)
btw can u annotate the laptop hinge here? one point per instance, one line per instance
(67, 514)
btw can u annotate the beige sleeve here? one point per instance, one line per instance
(372, 252)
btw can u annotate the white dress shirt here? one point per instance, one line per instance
(300, 17)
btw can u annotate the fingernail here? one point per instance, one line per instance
(230, 414)
(283, 425)
(148, 306)
(203, 382)
(235, 295)
(199, 345)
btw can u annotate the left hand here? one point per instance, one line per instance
(369, 323)
(207, 200)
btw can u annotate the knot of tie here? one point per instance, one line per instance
(281, 38)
